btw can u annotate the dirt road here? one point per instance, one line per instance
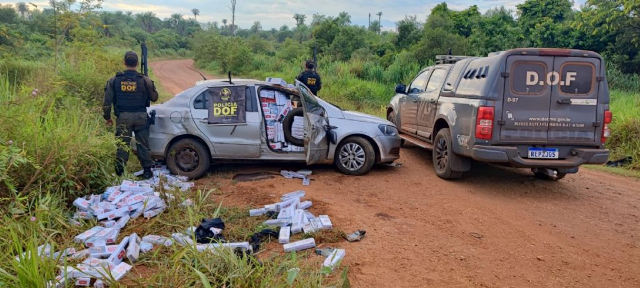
(176, 75)
(496, 227)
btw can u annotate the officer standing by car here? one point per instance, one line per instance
(310, 78)
(131, 93)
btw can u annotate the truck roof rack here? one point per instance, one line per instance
(449, 59)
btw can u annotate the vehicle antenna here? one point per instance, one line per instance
(230, 78)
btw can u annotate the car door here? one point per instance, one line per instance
(409, 103)
(236, 141)
(526, 101)
(316, 144)
(428, 102)
(573, 116)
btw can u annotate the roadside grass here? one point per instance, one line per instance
(625, 129)
(615, 170)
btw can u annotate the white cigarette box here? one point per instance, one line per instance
(87, 234)
(285, 232)
(83, 282)
(108, 224)
(182, 239)
(294, 194)
(82, 204)
(300, 245)
(101, 251)
(334, 258)
(120, 271)
(120, 252)
(114, 214)
(122, 221)
(257, 212)
(325, 221)
(305, 205)
(278, 222)
(133, 251)
(158, 240)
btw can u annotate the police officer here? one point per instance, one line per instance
(310, 78)
(130, 93)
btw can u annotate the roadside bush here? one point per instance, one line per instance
(625, 129)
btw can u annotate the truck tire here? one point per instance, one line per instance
(355, 156)
(287, 124)
(188, 157)
(443, 155)
(392, 118)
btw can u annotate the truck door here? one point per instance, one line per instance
(238, 140)
(409, 104)
(316, 144)
(526, 101)
(574, 101)
(428, 104)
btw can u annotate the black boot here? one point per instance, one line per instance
(147, 174)
(119, 170)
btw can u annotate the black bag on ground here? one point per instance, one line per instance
(204, 234)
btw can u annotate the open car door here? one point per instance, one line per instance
(316, 145)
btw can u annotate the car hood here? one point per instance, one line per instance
(362, 117)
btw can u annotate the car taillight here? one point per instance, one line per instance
(606, 132)
(484, 123)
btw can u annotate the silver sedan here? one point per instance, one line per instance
(197, 127)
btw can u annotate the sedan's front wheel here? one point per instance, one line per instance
(188, 157)
(355, 156)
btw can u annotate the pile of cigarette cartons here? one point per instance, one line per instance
(293, 218)
(275, 107)
(104, 255)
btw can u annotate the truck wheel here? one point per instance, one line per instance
(443, 155)
(543, 176)
(188, 157)
(355, 156)
(287, 125)
(392, 118)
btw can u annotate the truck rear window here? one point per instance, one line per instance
(525, 78)
(577, 78)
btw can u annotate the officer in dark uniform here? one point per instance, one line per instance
(130, 93)
(310, 78)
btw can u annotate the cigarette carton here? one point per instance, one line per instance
(158, 240)
(133, 251)
(285, 232)
(334, 258)
(87, 234)
(120, 252)
(120, 271)
(257, 212)
(300, 245)
(82, 204)
(83, 282)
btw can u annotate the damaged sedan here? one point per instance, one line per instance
(222, 121)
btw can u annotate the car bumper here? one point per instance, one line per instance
(389, 148)
(502, 154)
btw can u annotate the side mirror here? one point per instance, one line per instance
(401, 88)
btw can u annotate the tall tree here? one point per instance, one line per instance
(543, 22)
(233, 16)
(299, 19)
(408, 32)
(379, 22)
(256, 27)
(195, 12)
(23, 9)
(343, 19)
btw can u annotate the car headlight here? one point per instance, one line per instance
(388, 130)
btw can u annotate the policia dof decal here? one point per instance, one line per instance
(226, 105)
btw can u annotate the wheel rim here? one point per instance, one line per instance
(187, 159)
(442, 154)
(352, 156)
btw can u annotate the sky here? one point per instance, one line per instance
(275, 13)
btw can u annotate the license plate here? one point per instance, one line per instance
(543, 153)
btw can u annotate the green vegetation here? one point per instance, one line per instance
(361, 65)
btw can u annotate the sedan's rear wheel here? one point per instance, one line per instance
(355, 156)
(188, 157)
